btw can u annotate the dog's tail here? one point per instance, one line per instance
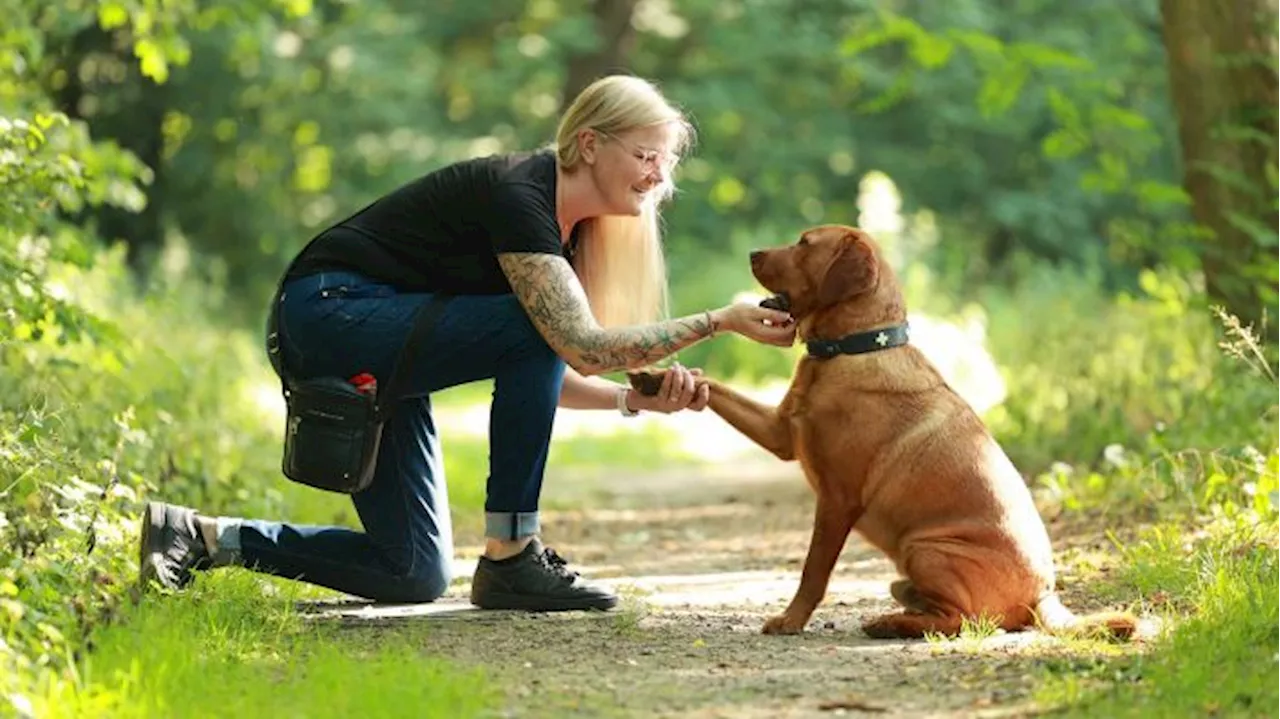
(1055, 618)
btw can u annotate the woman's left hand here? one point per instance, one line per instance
(682, 388)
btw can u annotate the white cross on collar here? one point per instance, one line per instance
(882, 339)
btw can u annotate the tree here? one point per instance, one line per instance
(1222, 70)
(614, 38)
(96, 79)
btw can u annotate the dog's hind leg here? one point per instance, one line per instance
(947, 582)
(905, 593)
(912, 625)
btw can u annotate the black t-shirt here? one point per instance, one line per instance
(443, 231)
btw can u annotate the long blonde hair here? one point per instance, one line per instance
(619, 258)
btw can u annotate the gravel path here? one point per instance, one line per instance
(702, 558)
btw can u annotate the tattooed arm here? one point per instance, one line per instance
(550, 292)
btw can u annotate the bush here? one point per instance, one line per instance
(1142, 374)
(157, 401)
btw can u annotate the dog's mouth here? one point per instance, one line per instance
(780, 302)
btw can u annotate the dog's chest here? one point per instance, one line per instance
(833, 465)
(831, 432)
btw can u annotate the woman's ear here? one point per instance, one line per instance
(588, 145)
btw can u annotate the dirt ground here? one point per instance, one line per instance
(702, 559)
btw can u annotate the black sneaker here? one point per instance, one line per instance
(536, 580)
(170, 546)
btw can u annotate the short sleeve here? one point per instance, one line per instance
(522, 220)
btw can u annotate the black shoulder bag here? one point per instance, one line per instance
(333, 430)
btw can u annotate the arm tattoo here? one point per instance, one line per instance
(551, 294)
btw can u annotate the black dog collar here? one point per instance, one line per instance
(855, 344)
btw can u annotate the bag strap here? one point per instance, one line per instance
(423, 322)
(274, 352)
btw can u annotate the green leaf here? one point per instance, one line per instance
(313, 170)
(44, 120)
(902, 85)
(1111, 175)
(153, 62)
(1247, 134)
(1263, 235)
(932, 51)
(1045, 56)
(728, 191)
(1063, 108)
(1235, 180)
(1064, 143)
(112, 15)
(980, 44)
(901, 26)
(1116, 116)
(1001, 89)
(35, 138)
(297, 8)
(857, 42)
(1153, 194)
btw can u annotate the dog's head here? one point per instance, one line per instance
(828, 266)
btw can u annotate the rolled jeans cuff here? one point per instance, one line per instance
(508, 526)
(228, 530)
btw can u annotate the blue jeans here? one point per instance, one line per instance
(341, 324)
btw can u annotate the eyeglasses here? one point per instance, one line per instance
(650, 159)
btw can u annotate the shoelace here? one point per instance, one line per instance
(556, 563)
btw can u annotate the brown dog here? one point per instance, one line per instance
(893, 452)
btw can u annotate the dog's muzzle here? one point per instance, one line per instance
(779, 302)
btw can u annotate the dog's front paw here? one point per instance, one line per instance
(784, 624)
(647, 382)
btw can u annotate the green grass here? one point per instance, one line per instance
(227, 648)
(1216, 590)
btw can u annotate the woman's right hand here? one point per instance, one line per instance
(749, 320)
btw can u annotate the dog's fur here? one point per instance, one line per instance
(893, 452)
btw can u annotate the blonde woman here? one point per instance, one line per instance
(554, 264)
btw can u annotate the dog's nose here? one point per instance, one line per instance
(756, 256)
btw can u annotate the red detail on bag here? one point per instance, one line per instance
(365, 383)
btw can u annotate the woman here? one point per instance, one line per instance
(555, 269)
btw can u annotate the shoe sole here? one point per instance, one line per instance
(153, 517)
(524, 602)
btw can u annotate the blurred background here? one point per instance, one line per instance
(1069, 193)
(1081, 199)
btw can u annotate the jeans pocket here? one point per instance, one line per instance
(351, 304)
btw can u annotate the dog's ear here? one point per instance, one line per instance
(853, 271)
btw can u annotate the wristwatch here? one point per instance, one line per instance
(622, 404)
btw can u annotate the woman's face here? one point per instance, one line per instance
(631, 166)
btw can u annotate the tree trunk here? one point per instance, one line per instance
(1222, 71)
(617, 37)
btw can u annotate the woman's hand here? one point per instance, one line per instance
(682, 388)
(768, 326)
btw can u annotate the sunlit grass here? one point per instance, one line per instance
(227, 648)
(1218, 594)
